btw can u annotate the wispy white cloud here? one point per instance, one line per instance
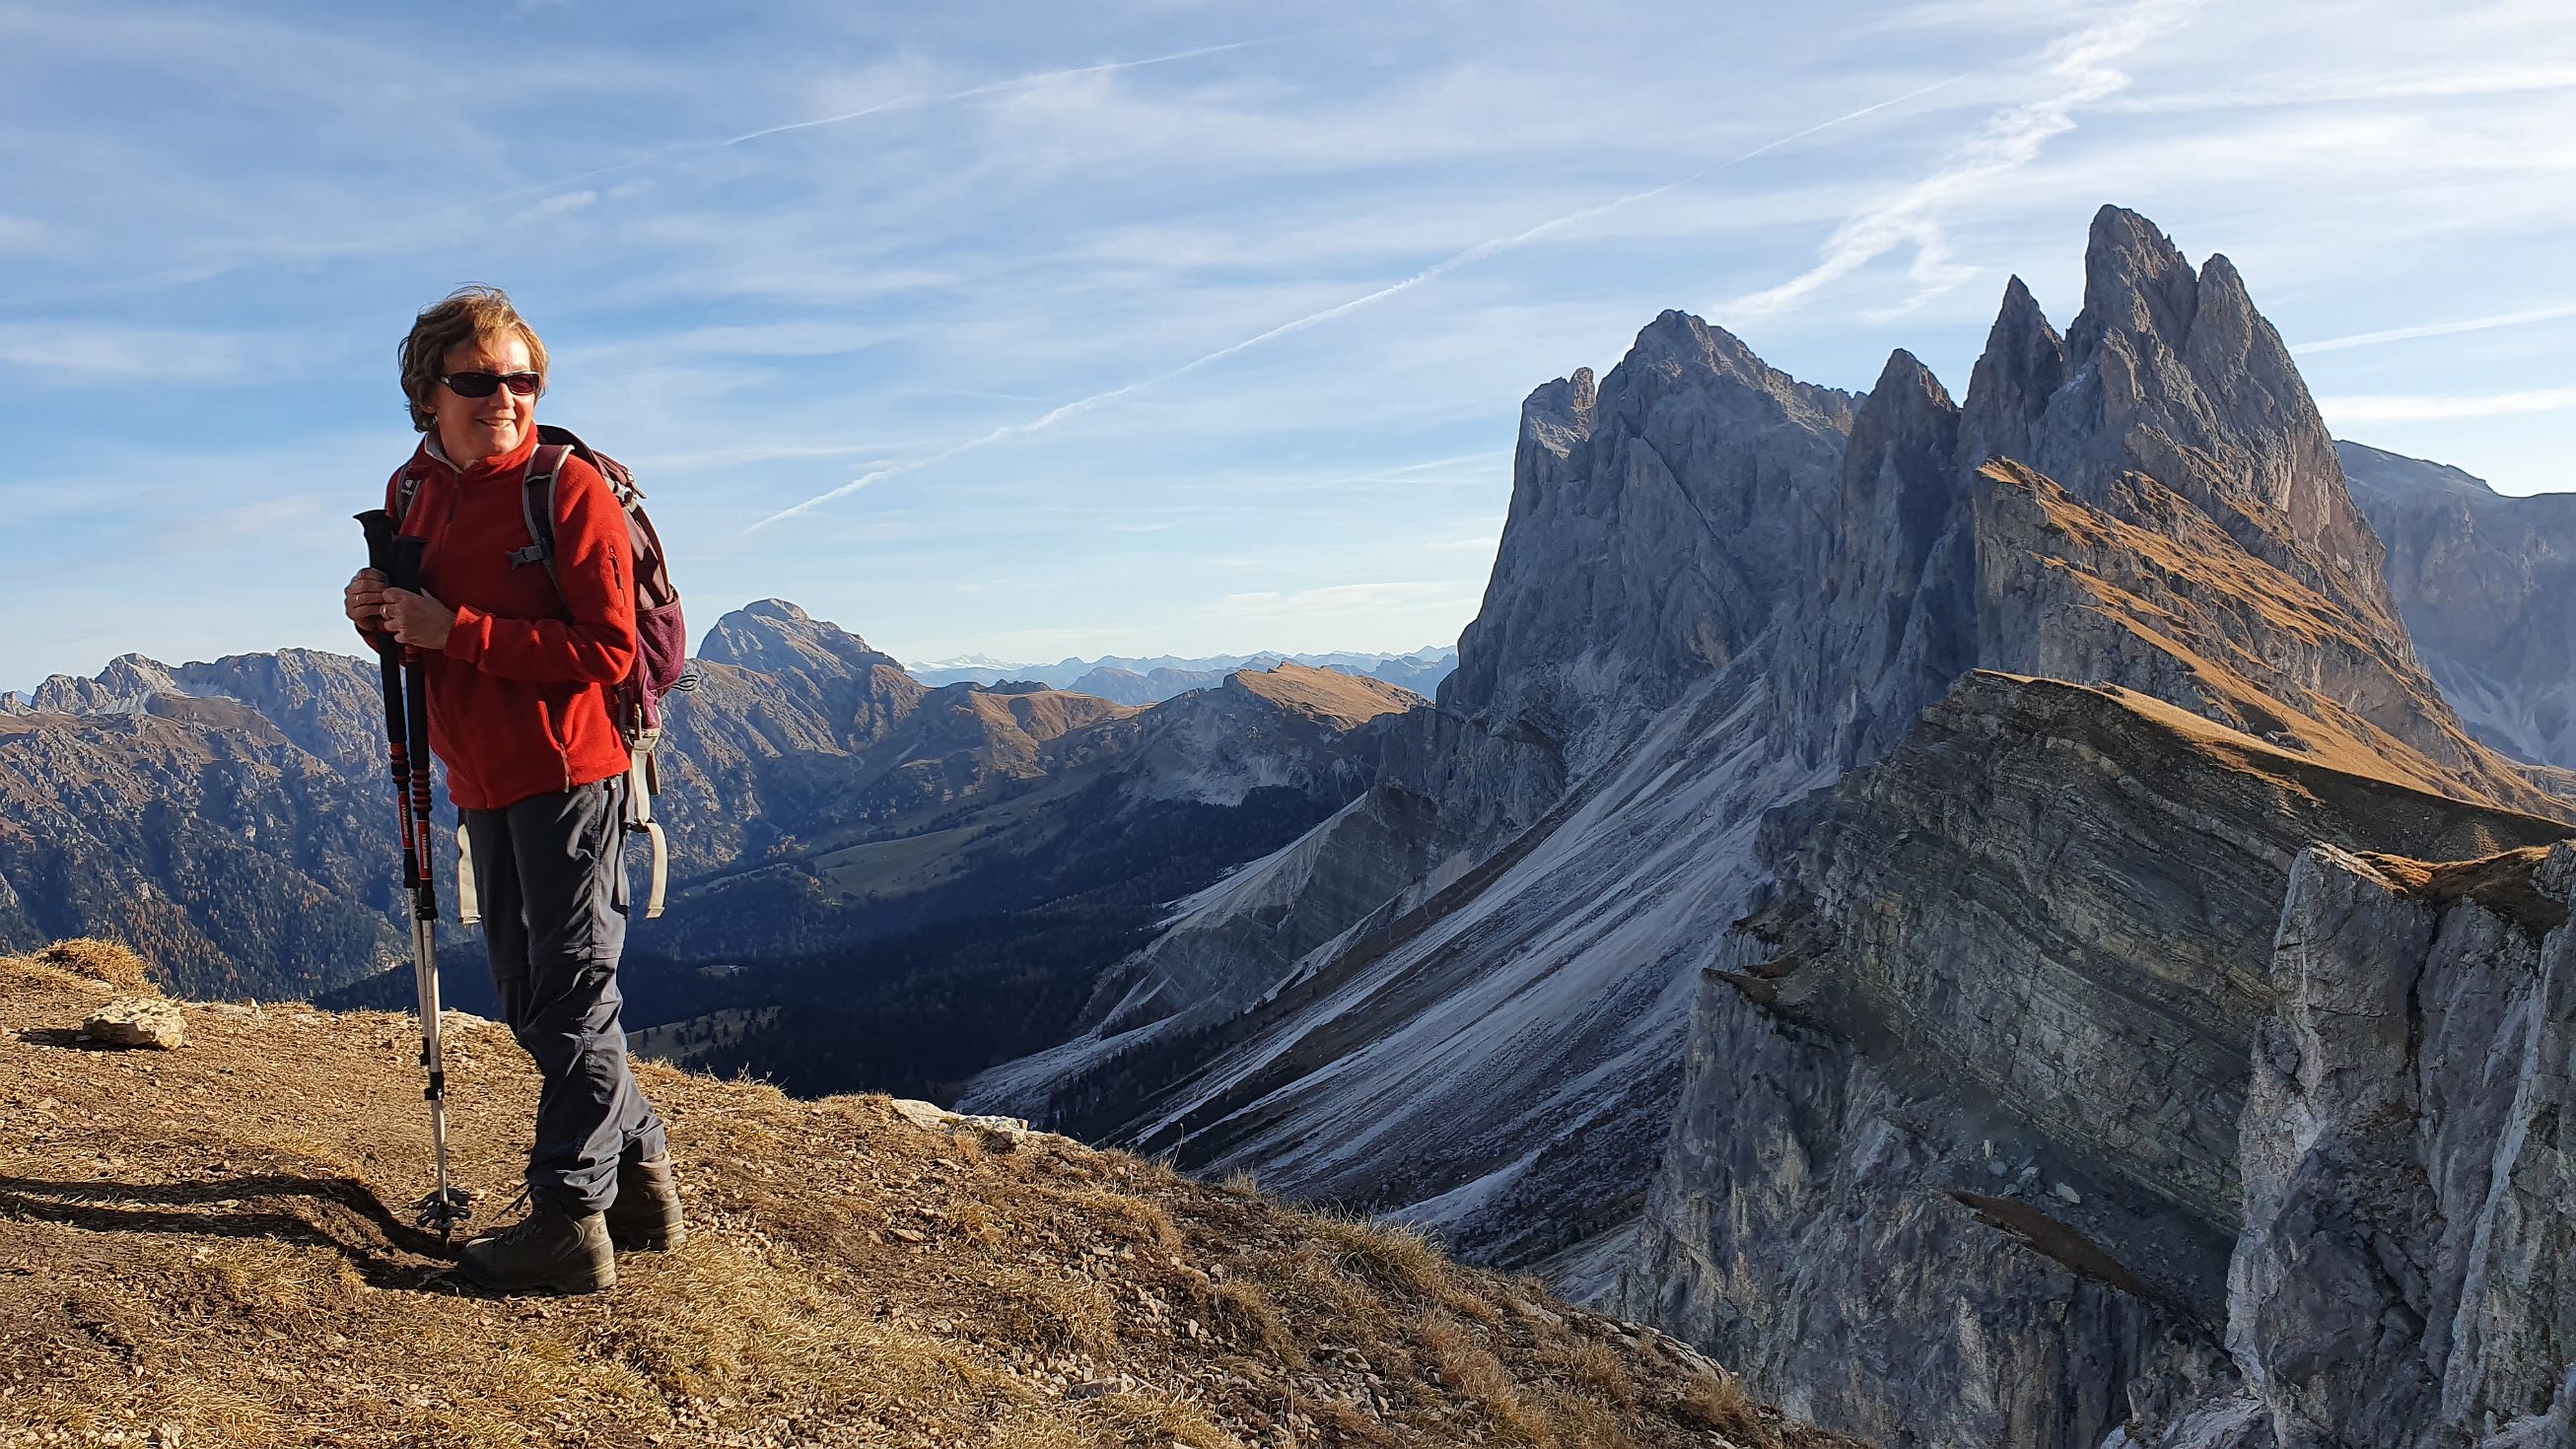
(671, 152)
(2426, 407)
(2438, 329)
(2074, 72)
(121, 354)
(2445, 83)
(25, 234)
(1038, 78)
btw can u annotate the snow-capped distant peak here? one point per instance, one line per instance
(964, 661)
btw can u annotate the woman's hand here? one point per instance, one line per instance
(417, 619)
(365, 600)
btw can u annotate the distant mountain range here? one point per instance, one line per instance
(844, 837)
(1148, 681)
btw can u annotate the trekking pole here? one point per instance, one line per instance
(407, 752)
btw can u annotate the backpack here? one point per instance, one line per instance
(661, 635)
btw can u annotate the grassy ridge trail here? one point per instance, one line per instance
(211, 1246)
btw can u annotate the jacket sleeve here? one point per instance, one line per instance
(596, 643)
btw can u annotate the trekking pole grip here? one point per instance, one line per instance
(379, 526)
(405, 570)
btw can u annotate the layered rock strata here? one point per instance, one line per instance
(1965, 1095)
(2406, 1277)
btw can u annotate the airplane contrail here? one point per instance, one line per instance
(1477, 253)
(2436, 329)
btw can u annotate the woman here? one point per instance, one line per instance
(518, 709)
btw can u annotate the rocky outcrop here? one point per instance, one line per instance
(2487, 585)
(2406, 1276)
(137, 1021)
(1965, 1094)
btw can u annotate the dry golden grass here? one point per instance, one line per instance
(1243, 1317)
(100, 961)
(1718, 1401)
(1596, 1371)
(1384, 1255)
(1466, 1368)
(216, 1239)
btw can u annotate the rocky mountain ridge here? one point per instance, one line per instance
(227, 814)
(1154, 679)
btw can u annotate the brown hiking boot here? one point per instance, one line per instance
(552, 1250)
(645, 1218)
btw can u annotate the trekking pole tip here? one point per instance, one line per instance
(443, 1210)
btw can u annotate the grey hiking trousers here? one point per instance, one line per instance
(550, 872)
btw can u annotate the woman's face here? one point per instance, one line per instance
(474, 428)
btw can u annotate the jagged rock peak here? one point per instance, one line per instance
(1678, 345)
(1906, 428)
(1907, 384)
(1557, 415)
(2135, 280)
(2023, 366)
(1566, 401)
(2172, 373)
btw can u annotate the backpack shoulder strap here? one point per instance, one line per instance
(537, 506)
(406, 487)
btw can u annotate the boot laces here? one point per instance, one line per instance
(527, 1223)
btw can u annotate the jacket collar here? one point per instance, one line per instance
(509, 462)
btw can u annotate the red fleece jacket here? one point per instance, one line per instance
(518, 700)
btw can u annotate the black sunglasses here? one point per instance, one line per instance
(482, 384)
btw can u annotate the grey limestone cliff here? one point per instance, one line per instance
(2406, 1277)
(2487, 585)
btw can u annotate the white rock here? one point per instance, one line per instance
(138, 1021)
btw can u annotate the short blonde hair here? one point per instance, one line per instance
(468, 314)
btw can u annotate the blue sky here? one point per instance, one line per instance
(1149, 326)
